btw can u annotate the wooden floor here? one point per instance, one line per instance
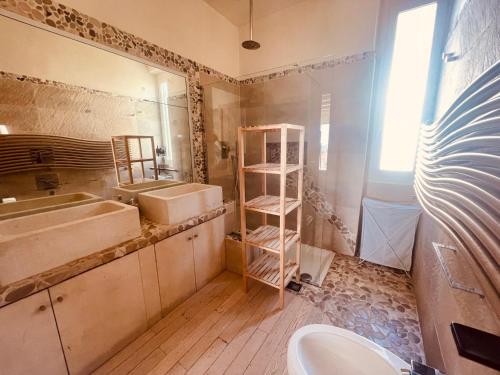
(219, 330)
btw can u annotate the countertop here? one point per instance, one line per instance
(151, 233)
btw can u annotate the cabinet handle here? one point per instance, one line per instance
(60, 299)
(195, 236)
(190, 238)
(42, 308)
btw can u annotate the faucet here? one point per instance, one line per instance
(118, 197)
(418, 368)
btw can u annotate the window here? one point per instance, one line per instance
(324, 131)
(406, 90)
(165, 120)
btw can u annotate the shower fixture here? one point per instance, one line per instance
(250, 43)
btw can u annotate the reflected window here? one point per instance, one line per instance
(3, 129)
(324, 131)
(407, 88)
(165, 121)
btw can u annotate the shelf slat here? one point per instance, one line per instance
(267, 237)
(271, 168)
(274, 127)
(266, 269)
(270, 204)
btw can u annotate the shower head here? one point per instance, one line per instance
(250, 43)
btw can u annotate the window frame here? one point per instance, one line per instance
(389, 11)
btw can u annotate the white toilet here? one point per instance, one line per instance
(319, 349)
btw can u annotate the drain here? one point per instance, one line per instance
(292, 285)
(305, 277)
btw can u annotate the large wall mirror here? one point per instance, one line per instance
(61, 102)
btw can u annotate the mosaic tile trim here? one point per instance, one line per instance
(70, 20)
(374, 301)
(309, 67)
(82, 89)
(312, 194)
(151, 234)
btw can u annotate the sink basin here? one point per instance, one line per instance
(53, 202)
(179, 203)
(127, 192)
(36, 243)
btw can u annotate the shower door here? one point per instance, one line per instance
(332, 102)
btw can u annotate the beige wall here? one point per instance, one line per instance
(474, 37)
(190, 28)
(89, 66)
(311, 29)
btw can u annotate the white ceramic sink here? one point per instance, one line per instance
(36, 243)
(323, 349)
(53, 202)
(127, 192)
(179, 203)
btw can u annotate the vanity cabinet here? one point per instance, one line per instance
(80, 323)
(175, 263)
(188, 260)
(29, 339)
(208, 247)
(99, 312)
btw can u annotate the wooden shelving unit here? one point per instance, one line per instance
(272, 267)
(129, 150)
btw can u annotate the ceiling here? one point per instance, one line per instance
(237, 11)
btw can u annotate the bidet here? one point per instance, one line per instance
(319, 349)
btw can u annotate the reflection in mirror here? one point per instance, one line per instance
(61, 102)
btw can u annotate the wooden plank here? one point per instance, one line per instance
(272, 127)
(236, 344)
(295, 311)
(148, 363)
(300, 187)
(124, 354)
(180, 316)
(179, 343)
(267, 237)
(269, 204)
(208, 358)
(278, 360)
(190, 357)
(243, 223)
(177, 370)
(263, 159)
(203, 296)
(271, 168)
(232, 330)
(247, 353)
(282, 229)
(266, 268)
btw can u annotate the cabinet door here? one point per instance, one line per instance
(174, 259)
(99, 312)
(209, 257)
(29, 343)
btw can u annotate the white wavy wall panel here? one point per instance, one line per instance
(458, 172)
